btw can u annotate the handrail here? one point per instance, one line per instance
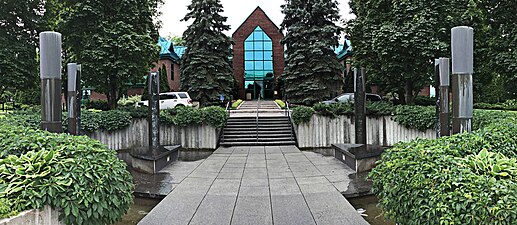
(289, 116)
(257, 118)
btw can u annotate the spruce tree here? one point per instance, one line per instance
(312, 72)
(206, 72)
(164, 82)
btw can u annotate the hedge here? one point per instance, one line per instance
(111, 120)
(415, 117)
(73, 173)
(469, 178)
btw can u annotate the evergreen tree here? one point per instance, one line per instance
(312, 72)
(114, 40)
(164, 83)
(206, 71)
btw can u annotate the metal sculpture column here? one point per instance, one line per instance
(444, 96)
(360, 107)
(462, 45)
(50, 75)
(154, 113)
(72, 98)
(79, 98)
(152, 158)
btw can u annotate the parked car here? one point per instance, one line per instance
(349, 97)
(170, 100)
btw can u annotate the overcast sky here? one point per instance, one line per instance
(236, 11)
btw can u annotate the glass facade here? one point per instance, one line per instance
(258, 61)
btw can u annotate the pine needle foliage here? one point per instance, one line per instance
(312, 72)
(206, 71)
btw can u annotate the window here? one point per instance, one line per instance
(168, 96)
(258, 56)
(183, 95)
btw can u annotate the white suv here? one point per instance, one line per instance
(171, 100)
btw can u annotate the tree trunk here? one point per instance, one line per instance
(409, 96)
(112, 99)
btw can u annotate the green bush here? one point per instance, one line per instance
(302, 114)
(6, 209)
(136, 112)
(129, 101)
(105, 120)
(74, 173)
(184, 116)
(97, 104)
(468, 178)
(379, 108)
(416, 117)
(508, 105)
(280, 103)
(236, 104)
(214, 115)
(425, 101)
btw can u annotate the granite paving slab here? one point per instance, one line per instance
(258, 185)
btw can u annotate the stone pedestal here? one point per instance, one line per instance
(142, 161)
(359, 157)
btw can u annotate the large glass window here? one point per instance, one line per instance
(258, 59)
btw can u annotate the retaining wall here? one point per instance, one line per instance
(322, 131)
(45, 216)
(136, 135)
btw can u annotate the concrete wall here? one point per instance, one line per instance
(45, 216)
(196, 136)
(323, 131)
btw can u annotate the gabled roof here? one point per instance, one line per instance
(344, 50)
(169, 51)
(257, 10)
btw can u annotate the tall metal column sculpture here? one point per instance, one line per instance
(444, 96)
(50, 75)
(436, 88)
(360, 107)
(154, 112)
(72, 98)
(462, 45)
(79, 91)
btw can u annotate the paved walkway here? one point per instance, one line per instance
(259, 185)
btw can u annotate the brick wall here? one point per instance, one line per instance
(257, 18)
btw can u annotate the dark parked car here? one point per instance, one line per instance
(349, 97)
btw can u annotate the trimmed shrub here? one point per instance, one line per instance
(425, 101)
(184, 116)
(236, 104)
(97, 104)
(417, 117)
(302, 114)
(280, 103)
(74, 173)
(468, 178)
(129, 101)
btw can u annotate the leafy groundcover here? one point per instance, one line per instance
(76, 174)
(469, 178)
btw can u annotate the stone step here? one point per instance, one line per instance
(255, 122)
(260, 131)
(272, 126)
(273, 143)
(255, 139)
(254, 135)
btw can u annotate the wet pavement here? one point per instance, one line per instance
(254, 185)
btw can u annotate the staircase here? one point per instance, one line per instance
(245, 131)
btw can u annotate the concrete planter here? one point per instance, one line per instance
(45, 216)
(322, 131)
(195, 136)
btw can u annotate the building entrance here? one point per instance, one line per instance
(258, 65)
